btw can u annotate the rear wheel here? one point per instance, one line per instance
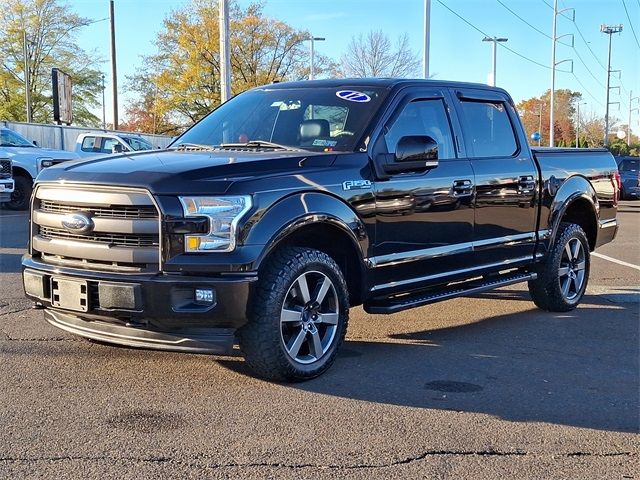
(562, 278)
(298, 318)
(21, 194)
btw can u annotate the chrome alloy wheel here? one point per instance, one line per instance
(572, 269)
(309, 317)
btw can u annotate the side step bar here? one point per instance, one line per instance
(403, 302)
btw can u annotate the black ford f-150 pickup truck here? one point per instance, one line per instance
(267, 220)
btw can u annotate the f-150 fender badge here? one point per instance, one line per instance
(356, 185)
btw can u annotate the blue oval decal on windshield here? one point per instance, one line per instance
(353, 96)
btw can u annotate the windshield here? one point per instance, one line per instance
(138, 143)
(318, 119)
(10, 138)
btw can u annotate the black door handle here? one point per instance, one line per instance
(462, 187)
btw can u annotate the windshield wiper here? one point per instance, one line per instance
(259, 144)
(195, 147)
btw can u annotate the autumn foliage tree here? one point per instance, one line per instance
(183, 77)
(50, 28)
(564, 121)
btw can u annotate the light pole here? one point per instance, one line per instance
(495, 41)
(225, 55)
(609, 30)
(631, 100)
(578, 123)
(104, 121)
(427, 34)
(114, 73)
(27, 79)
(313, 39)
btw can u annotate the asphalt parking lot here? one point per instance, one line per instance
(483, 387)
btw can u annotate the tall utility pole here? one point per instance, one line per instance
(312, 73)
(427, 34)
(114, 72)
(540, 123)
(225, 55)
(609, 30)
(104, 119)
(495, 41)
(27, 79)
(631, 100)
(578, 122)
(554, 64)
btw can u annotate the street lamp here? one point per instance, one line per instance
(313, 39)
(495, 41)
(104, 122)
(578, 123)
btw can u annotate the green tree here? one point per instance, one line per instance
(51, 27)
(564, 118)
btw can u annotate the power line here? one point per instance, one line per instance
(523, 20)
(487, 35)
(630, 22)
(587, 68)
(585, 89)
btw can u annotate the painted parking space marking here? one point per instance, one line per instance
(615, 260)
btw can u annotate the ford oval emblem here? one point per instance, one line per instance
(77, 222)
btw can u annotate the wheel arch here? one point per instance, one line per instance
(576, 202)
(321, 222)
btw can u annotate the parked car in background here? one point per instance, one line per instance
(629, 168)
(91, 144)
(28, 159)
(6, 180)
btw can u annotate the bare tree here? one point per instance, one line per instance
(374, 55)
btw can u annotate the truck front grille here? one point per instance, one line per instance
(114, 240)
(5, 168)
(113, 212)
(124, 231)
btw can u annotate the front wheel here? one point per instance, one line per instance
(21, 195)
(562, 278)
(298, 317)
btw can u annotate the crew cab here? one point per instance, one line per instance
(92, 144)
(28, 159)
(269, 219)
(6, 179)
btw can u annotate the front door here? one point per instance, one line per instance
(424, 219)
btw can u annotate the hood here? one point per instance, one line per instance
(17, 153)
(174, 172)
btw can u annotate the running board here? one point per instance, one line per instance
(398, 303)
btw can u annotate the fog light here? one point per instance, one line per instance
(204, 295)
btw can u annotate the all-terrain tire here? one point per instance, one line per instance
(269, 340)
(562, 279)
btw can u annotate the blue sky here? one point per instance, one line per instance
(457, 51)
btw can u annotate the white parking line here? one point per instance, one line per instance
(615, 260)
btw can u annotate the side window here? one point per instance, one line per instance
(88, 144)
(107, 145)
(488, 127)
(423, 117)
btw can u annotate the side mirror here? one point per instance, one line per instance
(417, 148)
(117, 148)
(35, 143)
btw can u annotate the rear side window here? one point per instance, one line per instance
(630, 166)
(88, 144)
(107, 145)
(489, 129)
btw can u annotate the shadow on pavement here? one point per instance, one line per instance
(578, 369)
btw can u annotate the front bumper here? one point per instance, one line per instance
(150, 310)
(6, 189)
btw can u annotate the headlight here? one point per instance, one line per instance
(44, 162)
(223, 213)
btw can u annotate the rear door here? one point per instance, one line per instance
(506, 178)
(424, 219)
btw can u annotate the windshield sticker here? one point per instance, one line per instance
(353, 96)
(324, 143)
